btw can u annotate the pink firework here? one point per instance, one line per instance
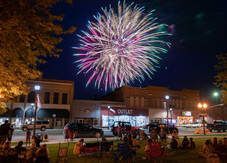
(120, 47)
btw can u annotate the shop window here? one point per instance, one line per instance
(47, 97)
(56, 98)
(64, 98)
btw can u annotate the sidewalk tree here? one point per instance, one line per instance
(221, 68)
(29, 32)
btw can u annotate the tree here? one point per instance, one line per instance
(221, 67)
(29, 32)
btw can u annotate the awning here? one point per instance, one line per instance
(13, 113)
(51, 113)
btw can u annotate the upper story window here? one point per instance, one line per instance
(47, 97)
(64, 98)
(131, 101)
(137, 102)
(31, 97)
(22, 98)
(142, 102)
(56, 98)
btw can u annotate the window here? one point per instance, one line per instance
(56, 96)
(64, 98)
(137, 102)
(22, 98)
(31, 97)
(47, 97)
(142, 102)
(131, 101)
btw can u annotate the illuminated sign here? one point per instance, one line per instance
(187, 113)
(124, 111)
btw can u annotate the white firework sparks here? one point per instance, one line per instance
(120, 47)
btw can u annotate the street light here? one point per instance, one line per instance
(37, 89)
(167, 97)
(108, 116)
(203, 106)
(215, 94)
(171, 115)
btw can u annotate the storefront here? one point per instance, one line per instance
(111, 114)
(185, 118)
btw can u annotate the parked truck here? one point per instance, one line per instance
(217, 126)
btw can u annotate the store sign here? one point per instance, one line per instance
(124, 111)
(187, 113)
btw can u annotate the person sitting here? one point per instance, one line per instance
(173, 143)
(42, 154)
(147, 148)
(78, 148)
(30, 154)
(175, 134)
(220, 149)
(215, 142)
(191, 144)
(185, 143)
(105, 145)
(155, 149)
(162, 134)
(154, 134)
(19, 147)
(135, 142)
(208, 152)
(124, 151)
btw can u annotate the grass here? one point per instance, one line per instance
(185, 156)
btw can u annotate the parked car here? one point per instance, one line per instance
(75, 130)
(119, 128)
(157, 126)
(40, 124)
(217, 126)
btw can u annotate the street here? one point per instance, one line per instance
(57, 134)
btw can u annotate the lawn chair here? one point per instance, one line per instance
(62, 153)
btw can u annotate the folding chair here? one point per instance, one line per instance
(62, 153)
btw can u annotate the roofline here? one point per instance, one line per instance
(52, 81)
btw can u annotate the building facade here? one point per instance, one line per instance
(180, 108)
(54, 104)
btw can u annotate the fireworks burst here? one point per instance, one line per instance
(120, 47)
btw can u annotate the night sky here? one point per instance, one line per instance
(199, 31)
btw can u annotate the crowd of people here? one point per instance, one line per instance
(157, 145)
(6, 131)
(28, 152)
(214, 150)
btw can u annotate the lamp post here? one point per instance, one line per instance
(203, 106)
(171, 115)
(108, 117)
(167, 109)
(219, 101)
(37, 89)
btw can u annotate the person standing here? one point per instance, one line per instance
(28, 136)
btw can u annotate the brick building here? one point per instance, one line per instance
(181, 105)
(55, 101)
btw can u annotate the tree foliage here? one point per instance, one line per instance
(221, 67)
(29, 32)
